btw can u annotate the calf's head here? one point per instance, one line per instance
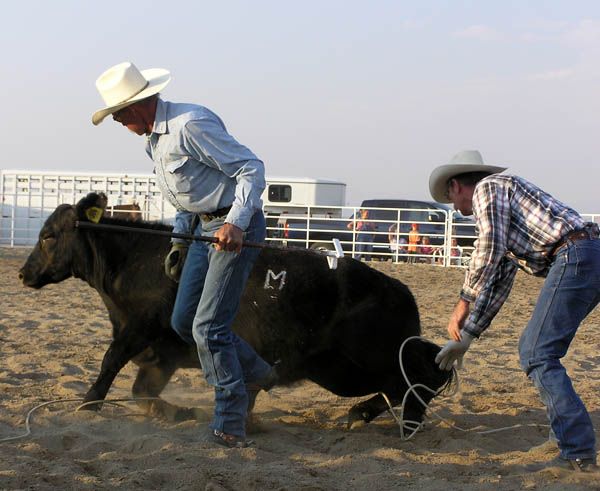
(51, 260)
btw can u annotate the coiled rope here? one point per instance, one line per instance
(409, 428)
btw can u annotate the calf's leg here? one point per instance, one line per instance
(121, 350)
(150, 381)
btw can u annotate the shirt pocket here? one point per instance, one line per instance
(179, 174)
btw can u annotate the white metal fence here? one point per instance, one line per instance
(27, 199)
(442, 237)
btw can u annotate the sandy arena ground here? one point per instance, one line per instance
(52, 342)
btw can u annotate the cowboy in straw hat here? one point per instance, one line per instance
(215, 184)
(521, 226)
(124, 85)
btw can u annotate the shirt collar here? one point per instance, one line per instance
(160, 118)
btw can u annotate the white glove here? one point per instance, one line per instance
(454, 352)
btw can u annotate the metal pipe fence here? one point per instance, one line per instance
(444, 237)
(384, 238)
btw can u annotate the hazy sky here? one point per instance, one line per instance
(374, 94)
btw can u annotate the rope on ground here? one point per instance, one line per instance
(113, 402)
(404, 424)
(414, 426)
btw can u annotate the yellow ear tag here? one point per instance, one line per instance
(94, 214)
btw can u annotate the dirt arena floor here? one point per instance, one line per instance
(52, 342)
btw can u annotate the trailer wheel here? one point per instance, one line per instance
(323, 246)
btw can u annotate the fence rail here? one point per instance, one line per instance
(445, 238)
(381, 239)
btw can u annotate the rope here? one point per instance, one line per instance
(415, 426)
(113, 402)
(404, 424)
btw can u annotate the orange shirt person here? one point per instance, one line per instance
(413, 239)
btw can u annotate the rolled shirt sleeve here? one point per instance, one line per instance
(208, 141)
(490, 275)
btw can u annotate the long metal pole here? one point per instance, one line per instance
(163, 233)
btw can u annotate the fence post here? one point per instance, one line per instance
(308, 226)
(448, 238)
(354, 232)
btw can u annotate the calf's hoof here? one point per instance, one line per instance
(87, 405)
(357, 418)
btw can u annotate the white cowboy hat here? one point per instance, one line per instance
(461, 163)
(123, 84)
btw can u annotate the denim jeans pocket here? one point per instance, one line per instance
(573, 258)
(586, 255)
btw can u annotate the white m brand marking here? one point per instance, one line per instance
(272, 276)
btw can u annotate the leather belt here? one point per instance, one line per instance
(574, 236)
(220, 213)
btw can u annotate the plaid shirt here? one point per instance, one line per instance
(518, 226)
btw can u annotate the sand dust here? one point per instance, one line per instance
(52, 342)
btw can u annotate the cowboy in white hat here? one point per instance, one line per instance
(521, 226)
(206, 174)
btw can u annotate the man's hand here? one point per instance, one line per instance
(454, 352)
(230, 238)
(175, 260)
(457, 319)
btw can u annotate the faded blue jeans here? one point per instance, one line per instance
(364, 249)
(570, 293)
(208, 297)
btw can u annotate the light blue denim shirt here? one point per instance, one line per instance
(201, 168)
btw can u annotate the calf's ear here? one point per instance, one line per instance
(92, 207)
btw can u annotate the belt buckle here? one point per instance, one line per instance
(220, 213)
(584, 233)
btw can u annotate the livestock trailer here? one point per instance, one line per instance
(28, 197)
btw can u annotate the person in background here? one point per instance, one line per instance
(413, 241)
(215, 182)
(364, 238)
(455, 253)
(521, 226)
(397, 243)
(426, 250)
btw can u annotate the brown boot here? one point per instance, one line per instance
(216, 437)
(576, 465)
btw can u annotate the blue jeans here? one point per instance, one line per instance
(570, 293)
(360, 248)
(208, 298)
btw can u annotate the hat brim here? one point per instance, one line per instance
(438, 180)
(157, 78)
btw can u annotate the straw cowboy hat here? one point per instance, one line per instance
(461, 163)
(123, 84)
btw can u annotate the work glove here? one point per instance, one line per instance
(174, 260)
(454, 352)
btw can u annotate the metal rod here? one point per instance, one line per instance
(163, 233)
(332, 256)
